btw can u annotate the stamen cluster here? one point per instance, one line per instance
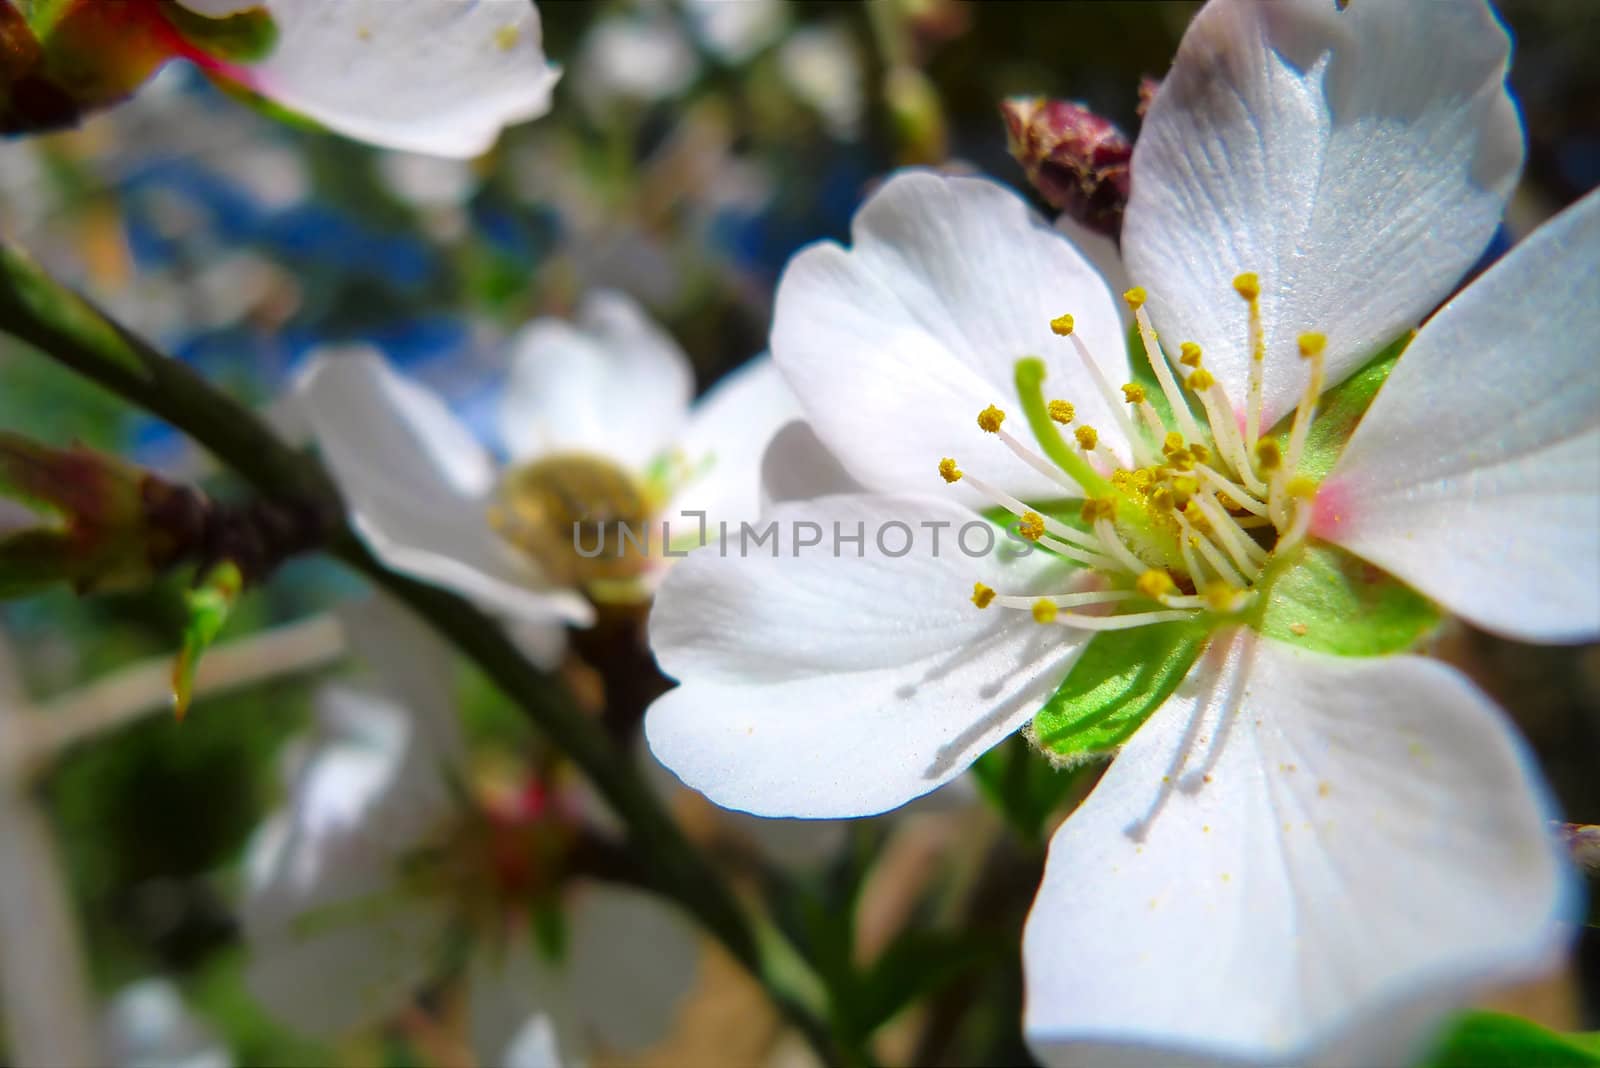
(1189, 522)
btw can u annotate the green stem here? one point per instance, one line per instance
(64, 326)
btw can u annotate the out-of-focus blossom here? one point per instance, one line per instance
(735, 30)
(1212, 615)
(440, 78)
(612, 472)
(147, 1025)
(394, 853)
(638, 57)
(822, 66)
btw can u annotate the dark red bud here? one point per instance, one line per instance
(1077, 160)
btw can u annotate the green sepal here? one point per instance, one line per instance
(247, 36)
(1117, 683)
(1024, 787)
(1322, 598)
(206, 609)
(1493, 1040)
(1338, 413)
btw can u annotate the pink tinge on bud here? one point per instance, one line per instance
(1077, 160)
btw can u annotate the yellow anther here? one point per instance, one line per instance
(949, 471)
(1133, 393)
(1302, 488)
(1248, 285)
(991, 418)
(1122, 478)
(1311, 344)
(1189, 354)
(981, 595)
(1268, 455)
(1061, 411)
(1088, 437)
(1200, 453)
(1044, 611)
(1155, 584)
(1227, 501)
(1195, 516)
(1161, 499)
(1185, 486)
(1220, 597)
(1097, 508)
(1171, 443)
(1136, 297)
(1182, 460)
(1032, 526)
(1143, 479)
(1061, 324)
(1201, 380)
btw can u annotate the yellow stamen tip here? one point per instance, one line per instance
(949, 471)
(1133, 393)
(1221, 597)
(1136, 297)
(1098, 508)
(1032, 526)
(1155, 584)
(982, 595)
(1248, 285)
(1171, 443)
(1061, 411)
(1185, 486)
(1200, 453)
(1302, 488)
(1201, 380)
(1268, 455)
(1195, 516)
(1044, 611)
(1161, 500)
(1312, 344)
(1088, 437)
(1061, 324)
(1189, 354)
(1182, 459)
(991, 418)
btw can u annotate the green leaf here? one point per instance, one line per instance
(1323, 598)
(1338, 412)
(917, 964)
(1494, 1040)
(207, 608)
(1118, 681)
(244, 37)
(1025, 787)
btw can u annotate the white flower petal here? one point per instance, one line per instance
(820, 686)
(439, 78)
(895, 345)
(631, 958)
(1348, 851)
(1357, 160)
(519, 1008)
(1475, 475)
(798, 467)
(1105, 257)
(336, 942)
(416, 484)
(726, 437)
(612, 383)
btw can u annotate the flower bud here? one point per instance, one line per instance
(1077, 160)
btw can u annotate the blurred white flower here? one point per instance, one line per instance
(147, 1025)
(597, 420)
(1315, 844)
(638, 57)
(822, 66)
(392, 853)
(735, 30)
